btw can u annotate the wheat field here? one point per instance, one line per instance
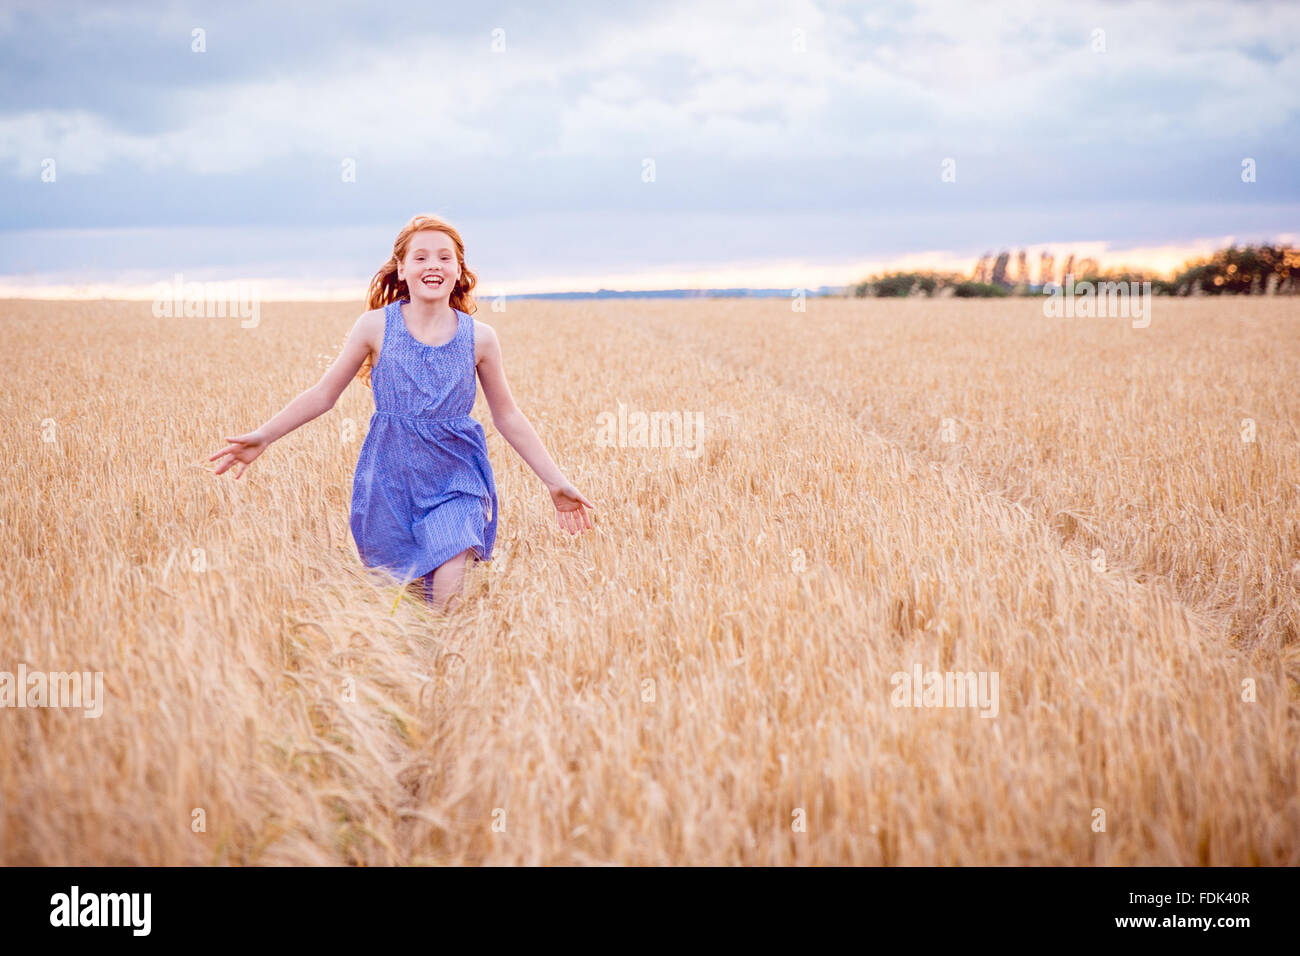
(1107, 518)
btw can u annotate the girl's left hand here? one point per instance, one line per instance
(569, 509)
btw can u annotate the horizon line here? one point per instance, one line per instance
(783, 277)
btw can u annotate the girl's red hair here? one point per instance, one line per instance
(385, 287)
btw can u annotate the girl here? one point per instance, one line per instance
(423, 497)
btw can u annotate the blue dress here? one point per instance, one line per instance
(423, 490)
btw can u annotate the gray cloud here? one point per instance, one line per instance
(253, 132)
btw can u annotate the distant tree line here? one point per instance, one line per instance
(1249, 270)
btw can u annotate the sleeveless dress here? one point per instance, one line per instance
(423, 491)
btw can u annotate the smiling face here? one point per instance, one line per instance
(429, 268)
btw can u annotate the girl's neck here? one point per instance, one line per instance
(430, 312)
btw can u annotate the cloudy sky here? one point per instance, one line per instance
(791, 143)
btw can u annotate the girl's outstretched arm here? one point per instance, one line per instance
(311, 403)
(515, 428)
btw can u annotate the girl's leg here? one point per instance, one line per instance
(444, 582)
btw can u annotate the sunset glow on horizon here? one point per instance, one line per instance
(1164, 260)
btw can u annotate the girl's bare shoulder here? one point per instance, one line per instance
(370, 327)
(485, 340)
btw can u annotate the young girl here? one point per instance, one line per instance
(423, 497)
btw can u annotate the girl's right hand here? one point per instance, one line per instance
(243, 449)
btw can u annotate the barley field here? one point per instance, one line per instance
(1106, 518)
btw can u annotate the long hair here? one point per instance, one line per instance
(385, 287)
